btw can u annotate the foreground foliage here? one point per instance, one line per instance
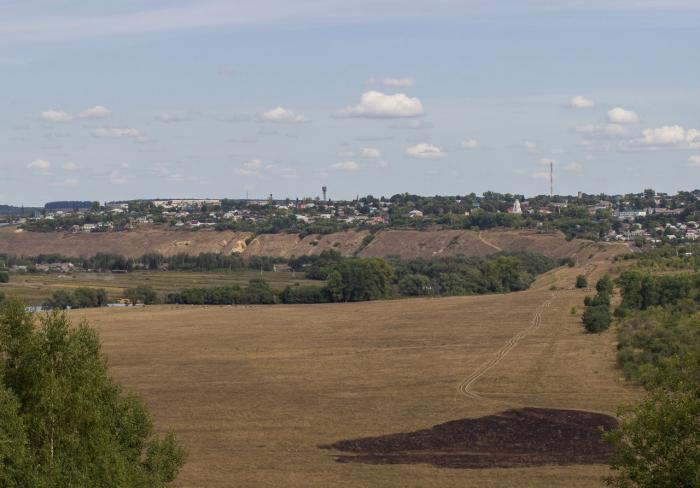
(63, 420)
(658, 442)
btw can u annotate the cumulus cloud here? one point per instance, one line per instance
(117, 178)
(377, 105)
(619, 115)
(413, 124)
(470, 144)
(425, 150)
(67, 183)
(119, 132)
(346, 166)
(281, 115)
(607, 130)
(173, 117)
(70, 166)
(250, 167)
(39, 164)
(530, 146)
(370, 153)
(580, 102)
(574, 167)
(669, 136)
(56, 116)
(694, 161)
(96, 112)
(393, 82)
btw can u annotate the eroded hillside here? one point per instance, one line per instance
(403, 243)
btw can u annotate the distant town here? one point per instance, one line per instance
(646, 218)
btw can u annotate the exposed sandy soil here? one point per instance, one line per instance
(406, 244)
(253, 391)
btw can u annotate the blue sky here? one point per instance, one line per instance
(227, 98)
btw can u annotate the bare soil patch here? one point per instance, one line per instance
(514, 438)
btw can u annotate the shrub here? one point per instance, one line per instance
(597, 318)
(581, 281)
(258, 291)
(4, 277)
(304, 294)
(142, 294)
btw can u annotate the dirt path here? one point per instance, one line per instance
(490, 244)
(466, 386)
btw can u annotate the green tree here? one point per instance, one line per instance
(4, 277)
(355, 280)
(258, 291)
(415, 284)
(81, 428)
(605, 285)
(657, 444)
(141, 294)
(597, 318)
(581, 281)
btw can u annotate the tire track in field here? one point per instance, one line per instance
(509, 345)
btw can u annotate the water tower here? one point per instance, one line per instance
(324, 189)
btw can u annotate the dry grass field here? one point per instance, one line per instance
(254, 391)
(36, 288)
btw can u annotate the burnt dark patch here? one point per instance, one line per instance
(514, 438)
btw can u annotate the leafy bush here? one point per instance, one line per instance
(581, 281)
(4, 277)
(304, 294)
(142, 294)
(258, 291)
(597, 318)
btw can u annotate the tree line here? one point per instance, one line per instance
(658, 442)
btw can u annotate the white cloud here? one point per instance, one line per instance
(67, 183)
(117, 132)
(370, 153)
(574, 167)
(117, 178)
(96, 112)
(393, 82)
(56, 116)
(668, 136)
(347, 166)
(250, 167)
(470, 144)
(70, 166)
(529, 145)
(281, 115)
(413, 124)
(377, 105)
(607, 130)
(619, 115)
(39, 164)
(172, 117)
(581, 102)
(694, 161)
(425, 150)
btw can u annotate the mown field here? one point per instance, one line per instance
(256, 392)
(36, 288)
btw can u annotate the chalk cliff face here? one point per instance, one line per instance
(403, 243)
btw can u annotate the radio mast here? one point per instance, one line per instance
(551, 179)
